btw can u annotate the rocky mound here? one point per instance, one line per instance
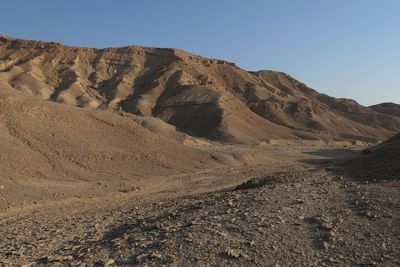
(202, 97)
(382, 161)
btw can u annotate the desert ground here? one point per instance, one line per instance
(140, 156)
(274, 205)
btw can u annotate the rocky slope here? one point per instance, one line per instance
(201, 97)
(379, 162)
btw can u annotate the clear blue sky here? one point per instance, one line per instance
(345, 48)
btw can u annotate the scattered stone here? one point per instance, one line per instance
(156, 232)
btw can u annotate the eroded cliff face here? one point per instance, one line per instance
(201, 97)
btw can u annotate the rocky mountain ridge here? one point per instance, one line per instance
(202, 97)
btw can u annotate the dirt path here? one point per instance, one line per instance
(293, 213)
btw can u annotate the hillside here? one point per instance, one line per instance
(388, 108)
(202, 97)
(49, 150)
(379, 162)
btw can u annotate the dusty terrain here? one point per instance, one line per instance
(57, 151)
(140, 156)
(297, 209)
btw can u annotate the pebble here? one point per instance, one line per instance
(109, 262)
(233, 253)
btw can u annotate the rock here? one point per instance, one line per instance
(67, 258)
(326, 225)
(233, 253)
(332, 260)
(157, 256)
(370, 215)
(109, 262)
(250, 243)
(299, 201)
(141, 257)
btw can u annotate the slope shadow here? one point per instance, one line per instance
(327, 157)
(344, 162)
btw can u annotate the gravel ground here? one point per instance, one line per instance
(312, 217)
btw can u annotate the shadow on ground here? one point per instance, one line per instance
(348, 163)
(328, 158)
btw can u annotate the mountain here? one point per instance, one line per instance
(201, 97)
(387, 108)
